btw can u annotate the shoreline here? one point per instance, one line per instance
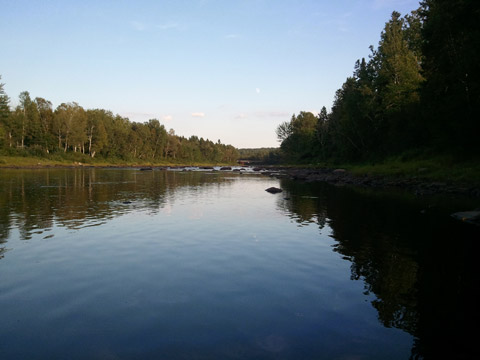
(342, 177)
(338, 177)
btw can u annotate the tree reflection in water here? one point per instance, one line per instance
(34, 200)
(418, 265)
(418, 262)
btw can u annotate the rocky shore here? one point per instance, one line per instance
(341, 177)
(338, 177)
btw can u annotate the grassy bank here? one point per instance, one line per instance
(439, 168)
(429, 168)
(33, 162)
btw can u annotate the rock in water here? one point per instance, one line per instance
(274, 190)
(472, 217)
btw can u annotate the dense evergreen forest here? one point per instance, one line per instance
(71, 132)
(417, 94)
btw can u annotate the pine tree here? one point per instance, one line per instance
(399, 75)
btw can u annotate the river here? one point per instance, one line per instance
(129, 264)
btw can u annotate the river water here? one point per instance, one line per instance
(128, 264)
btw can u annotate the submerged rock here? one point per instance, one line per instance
(274, 190)
(226, 168)
(472, 217)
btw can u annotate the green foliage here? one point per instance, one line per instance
(260, 155)
(419, 89)
(71, 133)
(452, 70)
(300, 135)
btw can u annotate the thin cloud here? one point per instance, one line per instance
(167, 117)
(198, 114)
(257, 90)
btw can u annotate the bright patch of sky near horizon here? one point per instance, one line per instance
(218, 69)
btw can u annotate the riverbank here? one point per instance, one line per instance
(20, 162)
(421, 177)
(418, 184)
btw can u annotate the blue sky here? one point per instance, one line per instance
(220, 69)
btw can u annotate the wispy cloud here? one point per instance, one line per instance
(198, 114)
(257, 90)
(241, 116)
(167, 118)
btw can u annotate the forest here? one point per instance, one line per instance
(417, 94)
(34, 128)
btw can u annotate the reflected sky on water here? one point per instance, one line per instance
(121, 263)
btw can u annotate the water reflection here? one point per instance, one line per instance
(34, 201)
(417, 262)
(417, 265)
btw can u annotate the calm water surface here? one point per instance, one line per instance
(127, 264)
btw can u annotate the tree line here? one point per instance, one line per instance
(418, 92)
(268, 155)
(35, 128)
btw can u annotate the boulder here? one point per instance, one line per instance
(226, 168)
(472, 217)
(274, 190)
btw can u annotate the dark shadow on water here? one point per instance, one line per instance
(420, 264)
(417, 264)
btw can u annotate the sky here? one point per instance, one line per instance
(229, 70)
